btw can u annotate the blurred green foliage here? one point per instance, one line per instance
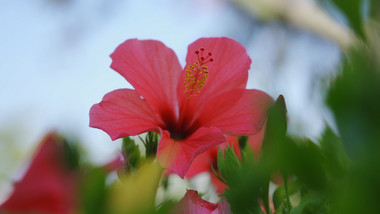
(244, 180)
(355, 101)
(131, 154)
(72, 152)
(135, 192)
(375, 9)
(341, 172)
(337, 174)
(93, 190)
(353, 11)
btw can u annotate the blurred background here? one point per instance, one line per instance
(54, 61)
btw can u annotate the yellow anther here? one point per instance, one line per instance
(197, 73)
(195, 79)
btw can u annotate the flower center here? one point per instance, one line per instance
(197, 73)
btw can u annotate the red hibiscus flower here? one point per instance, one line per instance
(191, 203)
(192, 107)
(49, 185)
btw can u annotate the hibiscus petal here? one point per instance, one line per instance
(177, 155)
(202, 163)
(223, 207)
(255, 142)
(191, 203)
(153, 70)
(237, 112)
(48, 186)
(123, 113)
(227, 71)
(218, 184)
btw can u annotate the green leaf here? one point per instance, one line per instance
(312, 204)
(274, 149)
(248, 182)
(333, 150)
(276, 127)
(228, 164)
(279, 195)
(308, 164)
(243, 179)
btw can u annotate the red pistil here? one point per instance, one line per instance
(203, 60)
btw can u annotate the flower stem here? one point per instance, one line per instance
(286, 191)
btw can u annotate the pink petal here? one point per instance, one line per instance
(153, 70)
(237, 112)
(123, 113)
(232, 141)
(218, 184)
(191, 203)
(228, 71)
(223, 207)
(177, 155)
(116, 164)
(256, 140)
(49, 185)
(203, 162)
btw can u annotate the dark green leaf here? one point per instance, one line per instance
(274, 149)
(333, 150)
(308, 164)
(243, 141)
